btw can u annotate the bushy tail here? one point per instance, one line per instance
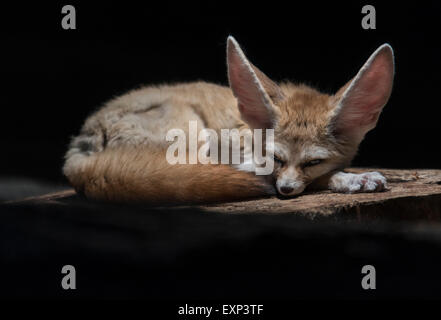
(144, 176)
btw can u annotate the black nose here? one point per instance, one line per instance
(286, 190)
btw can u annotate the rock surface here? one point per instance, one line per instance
(411, 195)
(313, 246)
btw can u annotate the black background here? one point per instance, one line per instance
(53, 78)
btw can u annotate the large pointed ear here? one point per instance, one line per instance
(254, 91)
(358, 104)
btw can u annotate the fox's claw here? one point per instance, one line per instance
(363, 182)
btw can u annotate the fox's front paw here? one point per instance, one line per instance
(352, 183)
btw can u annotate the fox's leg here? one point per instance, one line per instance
(351, 182)
(362, 182)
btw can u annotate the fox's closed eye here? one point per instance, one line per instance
(312, 163)
(278, 160)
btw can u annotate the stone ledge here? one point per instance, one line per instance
(412, 195)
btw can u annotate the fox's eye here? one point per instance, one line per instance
(312, 163)
(278, 160)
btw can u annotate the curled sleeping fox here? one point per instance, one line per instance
(119, 154)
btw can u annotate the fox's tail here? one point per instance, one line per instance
(144, 176)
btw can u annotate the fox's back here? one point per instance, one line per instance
(144, 116)
(214, 104)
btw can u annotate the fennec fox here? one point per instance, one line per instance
(119, 154)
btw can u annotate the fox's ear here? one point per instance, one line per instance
(254, 91)
(358, 104)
